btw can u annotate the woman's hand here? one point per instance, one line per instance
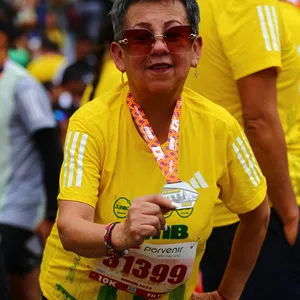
(44, 229)
(207, 296)
(290, 227)
(145, 218)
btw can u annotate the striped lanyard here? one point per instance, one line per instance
(167, 160)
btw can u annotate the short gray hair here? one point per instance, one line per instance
(120, 7)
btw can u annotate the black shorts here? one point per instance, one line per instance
(4, 284)
(22, 249)
(276, 275)
(215, 258)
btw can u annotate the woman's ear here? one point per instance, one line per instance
(197, 47)
(117, 54)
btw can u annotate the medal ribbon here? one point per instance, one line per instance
(168, 160)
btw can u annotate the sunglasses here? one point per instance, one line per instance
(139, 42)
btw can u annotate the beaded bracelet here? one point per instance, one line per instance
(111, 251)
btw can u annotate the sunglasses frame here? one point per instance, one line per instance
(123, 42)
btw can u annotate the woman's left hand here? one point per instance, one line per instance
(44, 229)
(207, 296)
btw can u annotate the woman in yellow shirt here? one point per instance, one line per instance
(143, 168)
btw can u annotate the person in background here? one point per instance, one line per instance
(46, 65)
(291, 14)
(83, 53)
(26, 16)
(84, 49)
(30, 160)
(18, 51)
(66, 98)
(250, 67)
(107, 76)
(52, 30)
(7, 12)
(91, 13)
(143, 168)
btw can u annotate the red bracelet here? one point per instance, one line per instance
(111, 251)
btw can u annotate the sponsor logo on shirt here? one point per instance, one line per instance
(174, 232)
(121, 207)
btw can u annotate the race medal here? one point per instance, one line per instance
(181, 193)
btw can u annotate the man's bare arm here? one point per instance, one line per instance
(265, 133)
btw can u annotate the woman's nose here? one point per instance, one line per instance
(159, 44)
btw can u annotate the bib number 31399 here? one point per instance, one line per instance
(150, 271)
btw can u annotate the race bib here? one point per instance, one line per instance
(150, 271)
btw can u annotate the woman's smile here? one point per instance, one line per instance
(161, 67)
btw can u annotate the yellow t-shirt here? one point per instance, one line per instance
(239, 39)
(57, 36)
(44, 67)
(291, 16)
(107, 164)
(110, 80)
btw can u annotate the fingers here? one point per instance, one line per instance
(150, 206)
(44, 229)
(146, 218)
(155, 221)
(206, 296)
(291, 232)
(291, 227)
(134, 235)
(147, 208)
(151, 216)
(162, 202)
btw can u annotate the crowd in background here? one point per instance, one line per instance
(55, 50)
(61, 43)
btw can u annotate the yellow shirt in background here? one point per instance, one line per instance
(107, 164)
(56, 36)
(291, 16)
(110, 80)
(241, 38)
(44, 67)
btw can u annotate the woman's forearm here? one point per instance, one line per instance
(83, 237)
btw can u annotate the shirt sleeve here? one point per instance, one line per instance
(33, 105)
(250, 32)
(243, 187)
(81, 170)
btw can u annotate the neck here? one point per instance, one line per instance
(158, 107)
(159, 113)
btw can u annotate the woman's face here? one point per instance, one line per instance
(160, 70)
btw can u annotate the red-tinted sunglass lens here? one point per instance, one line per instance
(178, 38)
(140, 41)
